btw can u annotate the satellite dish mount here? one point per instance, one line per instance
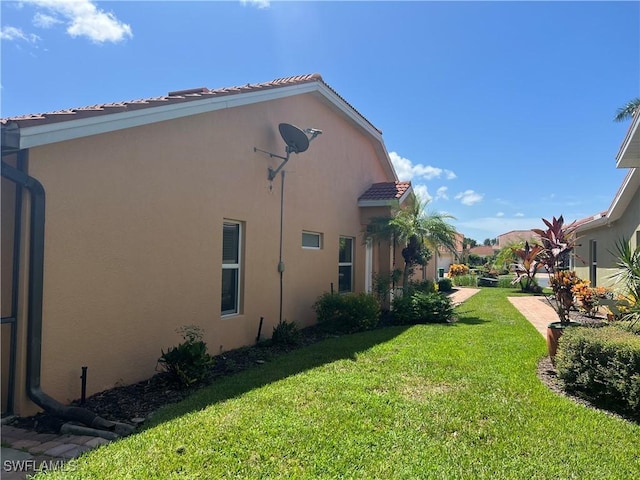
(296, 140)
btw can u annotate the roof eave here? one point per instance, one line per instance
(34, 136)
(389, 202)
(625, 193)
(629, 153)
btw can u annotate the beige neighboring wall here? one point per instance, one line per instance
(605, 236)
(134, 234)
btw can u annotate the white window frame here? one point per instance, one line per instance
(234, 266)
(316, 234)
(346, 264)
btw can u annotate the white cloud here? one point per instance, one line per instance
(442, 193)
(422, 192)
(14, 33)
(407, 170)
(469, 197)
(83, 19)
(500, 214)
(45, 21)
(519, 214)
(257, 3)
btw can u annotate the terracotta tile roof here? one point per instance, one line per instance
(582, 221)
(178, 96)
(386, 191)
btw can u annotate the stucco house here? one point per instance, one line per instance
(444, 257)
(595, 255)
(516, 236)
(123, 222)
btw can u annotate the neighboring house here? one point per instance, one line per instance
(444, 257)
(123, 222)
(516, 236)
(595, 255)
(484, 250)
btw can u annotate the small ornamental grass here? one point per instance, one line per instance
(285, 334)
(188, 362)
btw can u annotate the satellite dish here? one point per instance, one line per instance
(296, 140)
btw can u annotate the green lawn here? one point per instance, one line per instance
(430, 401)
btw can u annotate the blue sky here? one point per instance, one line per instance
(500, 113)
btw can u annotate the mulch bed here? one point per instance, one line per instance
(132, 403)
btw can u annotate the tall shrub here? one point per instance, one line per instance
(422, 307)
(350, 312)
(602, 364)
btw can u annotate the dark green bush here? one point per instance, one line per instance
(421, 308)
(285, 334)
(425, 286)
(445, 285)
(188, 362)
(603, 365)
(350, 312)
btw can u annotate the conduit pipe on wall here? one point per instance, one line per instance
(34, 316)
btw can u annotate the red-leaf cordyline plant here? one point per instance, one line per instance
(528, 265)
(558, 241)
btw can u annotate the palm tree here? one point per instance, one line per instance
(628, 111)
(416, 230)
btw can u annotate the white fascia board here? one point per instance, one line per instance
(405, 195)
(625, 193)
(348, 111)
(629, 153)
(103, 123)
(378, 203)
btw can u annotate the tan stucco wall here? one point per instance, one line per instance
(134, 234)
(627, 228)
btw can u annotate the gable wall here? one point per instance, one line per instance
(627, 228)
(134, 234)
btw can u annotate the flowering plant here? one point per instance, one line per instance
(458, 269)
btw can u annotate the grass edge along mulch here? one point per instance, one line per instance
(429, 401)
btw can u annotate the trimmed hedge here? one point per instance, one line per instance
(603, 365)
(421, 307)
(348, 312)
(445, 285)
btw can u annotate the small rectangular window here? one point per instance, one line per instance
(311, 240)
(345, 265)
(231, 242)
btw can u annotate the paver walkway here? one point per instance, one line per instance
(29, 451)
(460, 294)
(536, 310)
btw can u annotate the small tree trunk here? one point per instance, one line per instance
(405, 277)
